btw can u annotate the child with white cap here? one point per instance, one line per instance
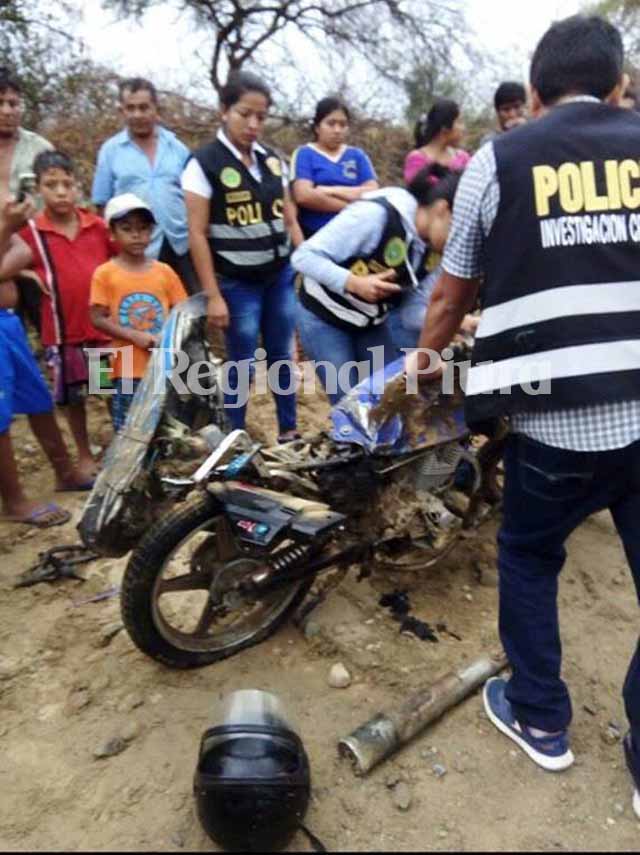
(131, 296)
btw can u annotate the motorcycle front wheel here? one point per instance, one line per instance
(180, 603)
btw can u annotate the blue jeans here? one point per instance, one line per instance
(548, 493)
(405, 321)
(325, 343)
(269, 308)
(403, 338)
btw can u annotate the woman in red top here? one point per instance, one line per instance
(64, 245)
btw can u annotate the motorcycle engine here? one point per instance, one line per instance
(438, 467)
(413, 503)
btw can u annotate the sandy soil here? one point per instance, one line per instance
(63, 694)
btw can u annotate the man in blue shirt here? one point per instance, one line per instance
(147, 159)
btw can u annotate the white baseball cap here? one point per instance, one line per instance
(124, 204)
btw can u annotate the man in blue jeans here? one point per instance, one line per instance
(543, 233)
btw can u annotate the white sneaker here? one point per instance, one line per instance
(636, 803)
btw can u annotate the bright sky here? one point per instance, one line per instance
(503, 23)
(165, 48)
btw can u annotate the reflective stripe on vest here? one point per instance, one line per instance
(580, 361)
(249, 258)
(255, 230)
(362, 314)
(571, 301)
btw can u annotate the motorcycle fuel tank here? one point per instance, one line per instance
(434, 418)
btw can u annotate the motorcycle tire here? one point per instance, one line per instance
(146, 566)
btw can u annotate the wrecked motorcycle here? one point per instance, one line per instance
(225, 554)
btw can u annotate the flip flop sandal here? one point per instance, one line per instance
(51, 508)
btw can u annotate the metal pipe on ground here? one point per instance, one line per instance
(385, 733)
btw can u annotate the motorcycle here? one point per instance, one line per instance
(224, 555)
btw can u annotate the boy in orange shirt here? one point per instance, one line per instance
(131, 296)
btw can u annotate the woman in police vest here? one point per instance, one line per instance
(241, 223)
(367, 258)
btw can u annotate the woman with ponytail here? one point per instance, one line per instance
(438, 135)
(434, 187)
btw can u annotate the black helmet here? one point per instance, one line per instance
(252, 784)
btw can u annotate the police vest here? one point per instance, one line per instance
(560, 326)
(392, 253)
(247, 234)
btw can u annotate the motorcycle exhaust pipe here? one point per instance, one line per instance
(385, 733)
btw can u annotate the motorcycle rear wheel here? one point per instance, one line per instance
(196, 536)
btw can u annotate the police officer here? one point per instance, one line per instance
(241, 223)
(374, 255)
(546, 217)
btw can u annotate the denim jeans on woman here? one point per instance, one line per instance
(331, 348)
(266, 308)
(406, 320)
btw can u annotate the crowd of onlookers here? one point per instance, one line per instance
(542, 235)
(232, 219)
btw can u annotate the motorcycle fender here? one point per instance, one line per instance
(259, 516)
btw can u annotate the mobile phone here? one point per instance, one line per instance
(27, 182)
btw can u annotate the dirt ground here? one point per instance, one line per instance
(65, 691)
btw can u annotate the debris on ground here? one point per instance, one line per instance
(612, 734)
(486, 574)
(443, 629)
(109, 632)
(130, 731)
(401, 795)
(420, 629)
(57, 563)
(98, 598)
(50, 651)
(110, 748)
(397, 602)
(130, 703)
(339, 677)
(399, 605)
(78, 700)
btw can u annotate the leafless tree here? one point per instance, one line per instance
(625, 14)
(378, 30)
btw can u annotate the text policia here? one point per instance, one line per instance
(585, 192)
